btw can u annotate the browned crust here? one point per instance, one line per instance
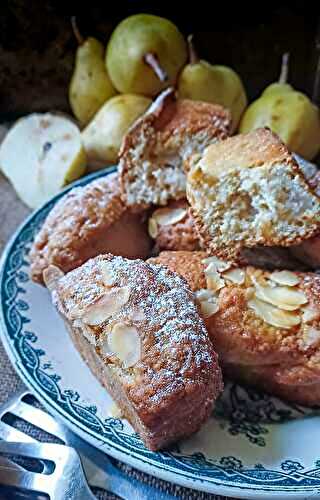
(187, 264)
(253, 149)
(169, 117)
(171, 389)
(242, 338)
(266, 378)
(86, 222)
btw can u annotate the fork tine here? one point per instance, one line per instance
(22, 479)
(9, 433)
(47, 451)
(38, 418)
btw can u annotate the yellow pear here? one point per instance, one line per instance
(90, 85)
(288, 113)
(145, 54)
(202, 81)
(103, 136)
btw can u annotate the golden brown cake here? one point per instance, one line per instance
(268, 322)
(138, 327)
(173, 227)
(156, 151)
(248, 191)
(88, 221)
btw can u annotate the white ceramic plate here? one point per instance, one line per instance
(254, 446)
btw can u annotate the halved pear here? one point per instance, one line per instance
(40, 154)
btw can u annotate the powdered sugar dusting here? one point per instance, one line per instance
(175, 347)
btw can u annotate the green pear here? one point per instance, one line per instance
(90, 85)
(288, 113)
(103, 136)
(145, 54)
(40, 154)
(202, 81)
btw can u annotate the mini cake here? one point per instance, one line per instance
(264, 325)
(138, 327)
(248, 191)
(88, 221)
(156, 151)
(173, 227)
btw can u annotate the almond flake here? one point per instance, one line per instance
(124, 342)
(205, 294)
(274, 316)
(114, 411)
(107, 273)
(281, 296)
(285, 278)
(208, 308)
(169, 216)
(214, 280)
(218, 264)
(106, 306)
(311, 336)
(309, 314)
(236, 275)
(152, 228)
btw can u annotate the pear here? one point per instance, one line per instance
(40, 154)
(145, 54)
(202, 81)
(90, 85)
(288, 113)
(103, 136)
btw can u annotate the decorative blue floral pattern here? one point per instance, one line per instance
(242, 411)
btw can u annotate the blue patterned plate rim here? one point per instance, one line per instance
(195, 471)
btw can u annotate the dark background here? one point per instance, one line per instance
(37, 46)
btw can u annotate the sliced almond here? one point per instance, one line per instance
(124, 342)
(285, 278)
(169, 216)
(218, 264)
(51, 276)
(311, 336)
(214, 280)
(106, 306)
(309, 314)
(209, 308)
(87, 332)
(236, 275)
(107, 272)
(115, 411)
(205, 294)
(274, 316)
(281, 296)
(152, 228)
(137, 315)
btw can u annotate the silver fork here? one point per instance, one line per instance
(100, 470)
(65, 482)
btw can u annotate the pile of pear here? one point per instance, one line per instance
(110, 89)
(112, 86)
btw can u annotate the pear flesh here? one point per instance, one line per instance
(40, 154)
(90, 85)
(132, 41)
(103, 136)
(202, 81)
(288, 113)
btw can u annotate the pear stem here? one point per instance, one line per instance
(76, 31)
(193, 56)
(284, 68)
(153, 61)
